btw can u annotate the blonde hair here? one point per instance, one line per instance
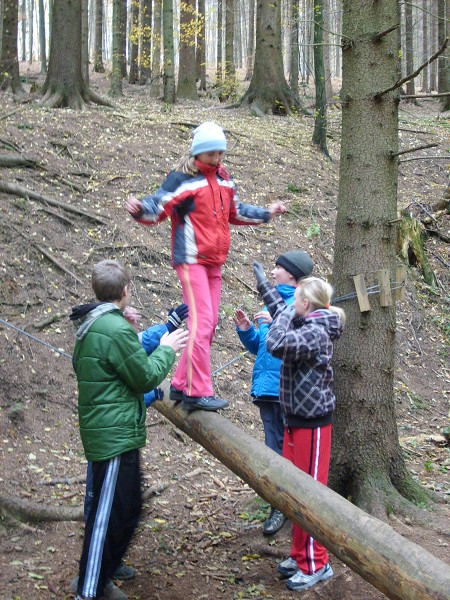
(319, 292)
(186, 164)
(109, 279)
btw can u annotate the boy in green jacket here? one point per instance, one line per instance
(113, 373)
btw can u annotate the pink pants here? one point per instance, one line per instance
(201, 292)
(309, 450)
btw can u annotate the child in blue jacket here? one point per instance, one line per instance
(289, 269)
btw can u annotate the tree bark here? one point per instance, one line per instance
(444, 60)
(42, 40)
(156, 56)
(98, 38)
(229, 82)
(85, 40)
(295, 54)
(169, 54)
(319, 137)
(219, 65)
(115, 89)
(397, 567)
(9, 62)
(251, 40)
(425, 51)
(133, 75)
(367, 462)
(35, 513)
(268, 91)
(64, 85)
(200, 49)
(409, 48)
(187, 72)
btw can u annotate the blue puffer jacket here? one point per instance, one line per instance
(266, 370)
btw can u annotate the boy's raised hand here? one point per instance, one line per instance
(258, 270)
(241, 320)
(177, 340)
(263, 316)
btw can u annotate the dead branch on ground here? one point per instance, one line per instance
(17, 190)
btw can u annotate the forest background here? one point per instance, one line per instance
(64, 180)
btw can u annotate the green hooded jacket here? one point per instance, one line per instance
(113, 373)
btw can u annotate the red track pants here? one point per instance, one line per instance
(309, 450)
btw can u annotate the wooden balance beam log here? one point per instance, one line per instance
(391, 563)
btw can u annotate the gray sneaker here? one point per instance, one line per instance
(300, 581)
(112, 592)
(211, 403)
(124, 572)
(274, 523)
(288, 567)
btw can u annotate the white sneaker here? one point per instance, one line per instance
(288, 567)
(300, 581)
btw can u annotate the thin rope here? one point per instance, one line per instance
(32, 337)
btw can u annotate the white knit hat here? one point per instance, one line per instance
(208, 137)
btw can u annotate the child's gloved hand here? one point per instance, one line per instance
(150, 397)
(258, 270)
(177, 316)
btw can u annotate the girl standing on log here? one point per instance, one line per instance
(201, 199)
(302, 335)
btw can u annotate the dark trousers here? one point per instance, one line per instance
(272, 419)
(111, 522)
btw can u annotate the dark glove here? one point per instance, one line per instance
(176, 317)
(150, 397)
(258, 270)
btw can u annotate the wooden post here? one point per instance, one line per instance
(394, 565)
(385, 287)
(361, 292)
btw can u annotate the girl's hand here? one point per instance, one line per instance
(241, 320)
(263, 317)
(277, 208)
(133, 206)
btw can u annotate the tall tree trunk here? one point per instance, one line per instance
(367, 462)
(251, 40)
(409, 47)
(327, 29)
(320, 120)
(200, 52)
(23, 27)
(229, 84)
(156, 54)
(268, 91)
(85, 40)
(294, 71)
(146, 41)
(169, 54)
(9, 61)
(425, 51)
(187, 87)
(98, 38)
(442, 60)
(115, 89)
(133, 75)
(42, 40)
(123, 38)
(219, 66)
(30, 30)
(433, 45)
(446, 60)
(64, 85)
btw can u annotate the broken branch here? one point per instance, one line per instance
(416, 149)
(400, 82)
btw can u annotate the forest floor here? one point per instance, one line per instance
(201, 538)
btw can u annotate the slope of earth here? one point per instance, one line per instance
(201, 536)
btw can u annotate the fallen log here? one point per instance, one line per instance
(33, 512)
(391, 563)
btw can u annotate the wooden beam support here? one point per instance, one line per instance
(394, 565)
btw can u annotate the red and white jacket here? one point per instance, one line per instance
(201, 208)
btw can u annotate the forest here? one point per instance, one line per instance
(339, 110)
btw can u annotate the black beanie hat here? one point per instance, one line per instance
(298, 263)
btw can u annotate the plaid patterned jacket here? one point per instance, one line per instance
(305, 346)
